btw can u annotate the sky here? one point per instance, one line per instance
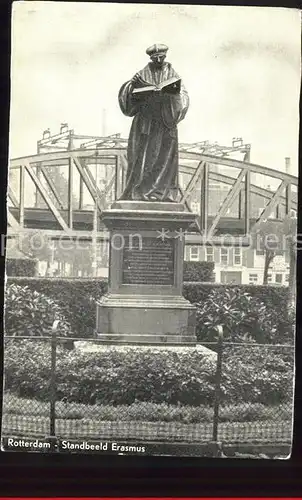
(240, 65)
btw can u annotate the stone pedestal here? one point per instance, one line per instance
(144, 303)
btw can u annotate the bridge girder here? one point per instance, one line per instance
(115, 160)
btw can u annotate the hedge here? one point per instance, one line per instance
(273, 296)
(126, 376)
(83, 288)
(244, 317)
(199, 271)
(20, 267)
(77, 299)
(146, 411)
(32, 313)
(257, 374)
(110, 376)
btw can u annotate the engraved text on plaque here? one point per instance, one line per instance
(149, 262)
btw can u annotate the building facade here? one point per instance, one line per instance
(240, 265)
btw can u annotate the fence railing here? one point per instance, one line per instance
(246, 397)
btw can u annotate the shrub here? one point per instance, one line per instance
(146, 411)
(257, 374)
(27, 367)
(76, 297)
(123, 377)
(199, 271)
(29, 312)
(20, 267)
(274, 299)
(242, 316)
(112, 376)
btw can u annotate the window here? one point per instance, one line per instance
(260, 251)
(194, 254)
(278, 278)
(210, 254)
(253, 278)
(237, 257)
(224, 256)
(195, 207)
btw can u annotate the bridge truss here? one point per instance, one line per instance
(62, 190)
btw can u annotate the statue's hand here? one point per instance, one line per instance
(137, 81)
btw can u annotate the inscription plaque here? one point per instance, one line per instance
(149, 262)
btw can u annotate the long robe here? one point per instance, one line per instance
(153, 142)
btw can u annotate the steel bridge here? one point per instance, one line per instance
(63, 188)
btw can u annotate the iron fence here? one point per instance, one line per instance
(249, 398)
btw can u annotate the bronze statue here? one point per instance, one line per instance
(158, 101)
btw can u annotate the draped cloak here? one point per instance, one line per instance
(153, 141)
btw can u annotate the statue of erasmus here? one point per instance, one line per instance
(158, 101)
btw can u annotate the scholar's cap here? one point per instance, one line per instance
(157, 49)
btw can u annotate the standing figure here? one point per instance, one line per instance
(158, 101)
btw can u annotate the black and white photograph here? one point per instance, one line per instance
(151, 246)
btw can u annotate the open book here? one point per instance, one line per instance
(172, 86)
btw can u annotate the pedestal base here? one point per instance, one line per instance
(156, 320)
(144, 304)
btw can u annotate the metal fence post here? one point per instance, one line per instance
(217, 383)
(53, 382)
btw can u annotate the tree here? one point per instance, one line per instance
(268, 237)
(77, 254)
(37, 246)
(278, 237)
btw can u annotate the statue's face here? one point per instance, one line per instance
(158, 59)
